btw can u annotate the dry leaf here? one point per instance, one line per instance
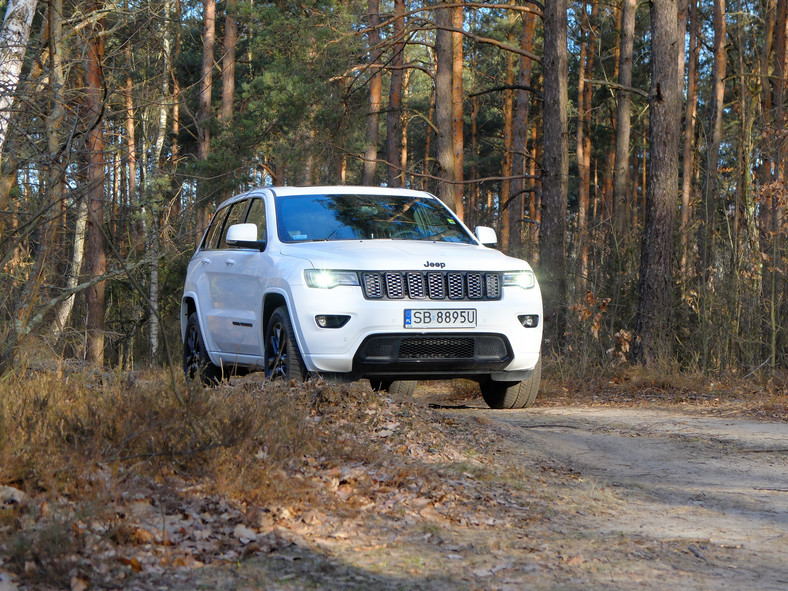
(132, 562)
(344, 492)
(143, 536)
(244, 534)
(187, 561)
(78, 583)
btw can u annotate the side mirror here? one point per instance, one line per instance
(486, 235)
(244, 236)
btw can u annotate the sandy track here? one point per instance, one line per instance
(719, 483)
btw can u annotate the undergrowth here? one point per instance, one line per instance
(80, 443)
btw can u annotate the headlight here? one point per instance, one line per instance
(524, 279)
(325, 279)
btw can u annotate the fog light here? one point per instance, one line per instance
(529, 320)
(331, 320)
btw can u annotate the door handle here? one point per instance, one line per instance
(229, 262)
(205, 261)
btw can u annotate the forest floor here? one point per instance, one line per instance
(627, 486)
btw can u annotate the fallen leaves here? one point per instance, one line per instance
(388, 460)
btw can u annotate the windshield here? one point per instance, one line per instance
(305, 218)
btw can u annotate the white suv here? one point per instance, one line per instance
(360, 282)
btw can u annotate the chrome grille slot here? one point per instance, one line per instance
(436, 286)
(456, 286)
(416, 286)
(475, 286)
(493, 281)
(373, 288)
(394, 286)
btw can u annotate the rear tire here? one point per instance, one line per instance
(282, 357)
(513, 394)
(196, 363)
(401, 388)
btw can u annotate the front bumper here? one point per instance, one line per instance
(374, 341)
(432, 354)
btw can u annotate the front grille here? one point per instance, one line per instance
(436, 348)
(432, 285)
(446, 355)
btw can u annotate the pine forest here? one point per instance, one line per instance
(634, 152)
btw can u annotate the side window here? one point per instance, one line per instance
(257, 217)
(236, 216)
(212, 235)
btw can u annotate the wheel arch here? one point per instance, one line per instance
(272, 301)
(188, 306)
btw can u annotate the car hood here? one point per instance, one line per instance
(403, 255)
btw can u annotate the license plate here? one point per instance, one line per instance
(440, 318)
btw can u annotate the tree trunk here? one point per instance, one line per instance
(228, 62)
(13, 44)
(520, 139)
(443, 105)
(458, 142)
(57, 112)
(779, 156)
(394, 113)
(64, 310)
(623, 122)
(204, 109)
(584, 96)
(507, 216)
(375, 91)
(206, 79)
(555, 172)
(710, 188)
(156, 199)
(97, 263)
(688, 158)
(654, 340)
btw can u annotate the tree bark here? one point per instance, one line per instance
(507, 215)
(57, 113)
(623, 121)
(13, 44)
(375, 91)
(394, 113)
(555, 172)
(204, 108)
(206, 79)
(96, 258)
(228, 62)
(654, 339)
(584, 96)
(688, 158)
(520, 139)
(444, 54)
(64, 310)
(458, 142)
(710, 188)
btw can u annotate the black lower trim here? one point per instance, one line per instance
(432, 354)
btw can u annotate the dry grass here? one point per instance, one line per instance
(764, 397)
(80, 444)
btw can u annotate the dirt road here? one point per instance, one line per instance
(714, 489)
(560, 497)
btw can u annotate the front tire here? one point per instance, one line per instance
(196, 362)
(513, 394)
(282, 357)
